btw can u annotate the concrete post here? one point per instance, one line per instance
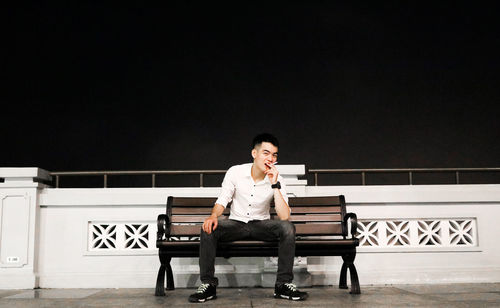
(19, 220)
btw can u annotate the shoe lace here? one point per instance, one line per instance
(291, 286)
(202, 288)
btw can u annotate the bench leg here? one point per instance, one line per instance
(160, 279)
(349, 264)
(343, 277)
(170, 275)
(355, 289)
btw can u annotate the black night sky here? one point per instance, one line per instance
(187, 85)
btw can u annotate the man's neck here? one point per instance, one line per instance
(257, 175)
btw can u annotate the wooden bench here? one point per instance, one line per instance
(321, 230)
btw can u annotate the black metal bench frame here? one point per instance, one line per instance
(319, 217)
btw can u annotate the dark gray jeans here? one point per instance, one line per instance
(264, 230)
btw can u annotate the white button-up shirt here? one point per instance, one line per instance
(251, 201)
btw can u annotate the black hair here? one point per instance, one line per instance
(265, 137)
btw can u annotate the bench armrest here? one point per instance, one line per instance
(354, 223)
(163, 223)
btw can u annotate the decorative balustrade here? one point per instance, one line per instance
(95, 237)
(315, 172)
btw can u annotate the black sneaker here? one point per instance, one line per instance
(205, 292)
(289, 291)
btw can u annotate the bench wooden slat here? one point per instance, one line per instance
(316, 218)
(193, 218)
(312, 209)
(301, 229)
(194, 210)
(293, 218)
(261, 244)
(318, 229)
(196, 202)
(295, 201)
(189, 218)
(185, 230)
(295, 210)
(314, 201)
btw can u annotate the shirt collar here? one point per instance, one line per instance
(248, 173)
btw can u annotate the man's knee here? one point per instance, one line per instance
(287, 228)
(205, 235)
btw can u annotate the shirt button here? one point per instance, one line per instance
(249, 205)
(248, 214)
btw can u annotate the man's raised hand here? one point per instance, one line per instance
(272, 173)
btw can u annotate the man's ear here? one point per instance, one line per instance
(254, 153)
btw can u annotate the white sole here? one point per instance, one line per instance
(204, 300)
(288, 297)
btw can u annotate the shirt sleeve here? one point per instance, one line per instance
(227, 189)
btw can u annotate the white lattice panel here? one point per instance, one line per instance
(417, 233)
(121, 236)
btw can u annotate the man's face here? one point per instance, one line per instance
(265, 153)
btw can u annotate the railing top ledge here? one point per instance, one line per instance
(315, 172)
(401, 170)
(137, 172)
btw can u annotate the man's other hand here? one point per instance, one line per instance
(210, 224)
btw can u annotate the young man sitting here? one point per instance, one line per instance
(251, 188)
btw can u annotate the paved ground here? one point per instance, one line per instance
(449, 295)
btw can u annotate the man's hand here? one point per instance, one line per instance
(272, 173)
(210, 224)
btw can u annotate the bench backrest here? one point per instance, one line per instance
(311, 215)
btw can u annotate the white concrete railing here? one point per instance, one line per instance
(105, 237)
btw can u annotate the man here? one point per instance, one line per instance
(251, 188)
